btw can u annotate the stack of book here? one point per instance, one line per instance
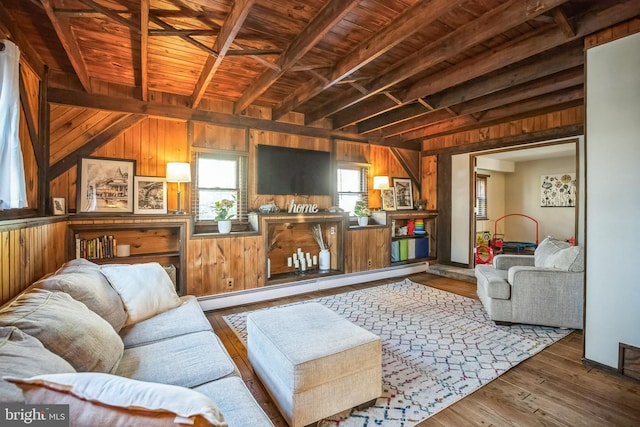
(96, 248)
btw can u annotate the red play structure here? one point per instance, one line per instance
(498, 244)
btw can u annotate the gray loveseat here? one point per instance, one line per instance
(541, 289)
(106, 339)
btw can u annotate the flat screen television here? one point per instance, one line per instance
(284, 170)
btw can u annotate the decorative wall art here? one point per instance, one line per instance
(106, 185)
(388, 196)
(150, 195)
(404, 195)
(59, 205)
(558, 190)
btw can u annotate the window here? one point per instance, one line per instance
(220, 176)
(351, 185)
(481, 196)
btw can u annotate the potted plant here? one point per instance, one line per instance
(361, 210)
(222, 209)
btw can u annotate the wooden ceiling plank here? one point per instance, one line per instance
(316, 29)
(181, 32)
(63, 30)
(543, 41)
(228, 33)
(177, 112)
(93, 144)
(403, 26)
(113, 15)
(491, 24)
(144, 50)
(20, 39)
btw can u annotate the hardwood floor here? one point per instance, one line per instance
(552, 388)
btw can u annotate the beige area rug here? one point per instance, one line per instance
(437, 347)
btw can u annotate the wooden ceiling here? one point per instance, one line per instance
(395, 71)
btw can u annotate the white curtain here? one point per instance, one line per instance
(13, 193)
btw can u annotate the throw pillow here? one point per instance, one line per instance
(67, 328)
(89, 286)
(569, 259)
(543, 256)
(22, 355)
(119, 401)
(145, 289)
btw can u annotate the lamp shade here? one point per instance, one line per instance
(380, 182)
(178, 172)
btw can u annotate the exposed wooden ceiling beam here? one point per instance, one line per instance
(319, 26)
(550, 64)
(177, 112)
(489, 25)
(403, 26)
(69, 44)
(144, 50)
(550, 102)
(186, 38)
(228, 32)
(113, 15)
(543, 41)
(564, 24)
(561, 81)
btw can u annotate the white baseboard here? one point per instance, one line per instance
(231, 299)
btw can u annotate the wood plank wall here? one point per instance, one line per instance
(29, 249)
(31, 83)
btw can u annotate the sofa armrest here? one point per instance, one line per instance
(505, 262)
(546, 296)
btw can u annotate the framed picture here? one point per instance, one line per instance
(404, 195)
(106, 185)
(558, 190)
(59, 205)
(150, 195)
(388, 196)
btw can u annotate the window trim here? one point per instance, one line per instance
(482, 178)
(364, 193)
(242, 183)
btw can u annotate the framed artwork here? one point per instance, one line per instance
(558, 190)
(150, 195)
(106, 185)
(59, 205)
(388, 196)
(404, 195)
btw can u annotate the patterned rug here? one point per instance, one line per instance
(437, 347)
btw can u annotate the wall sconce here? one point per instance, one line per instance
(179, 172)
(380, 182)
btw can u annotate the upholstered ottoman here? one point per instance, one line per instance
(313, 362)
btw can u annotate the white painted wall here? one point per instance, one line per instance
(523, 196)
(460, 193)
(613, 199)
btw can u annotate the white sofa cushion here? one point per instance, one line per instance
(21, 355)
(494, 281)
(89, 286)
(186, 360)
(67, 328)
(145, 289)
(569, 259)
(186, 318)
(115, 401)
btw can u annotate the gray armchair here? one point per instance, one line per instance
(541, 289)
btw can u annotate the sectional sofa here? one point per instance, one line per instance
(117, 344)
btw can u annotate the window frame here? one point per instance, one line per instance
(364, 169)
(242, 178)
(482, 201)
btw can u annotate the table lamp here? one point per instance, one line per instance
(380, 182)
(179, 172)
